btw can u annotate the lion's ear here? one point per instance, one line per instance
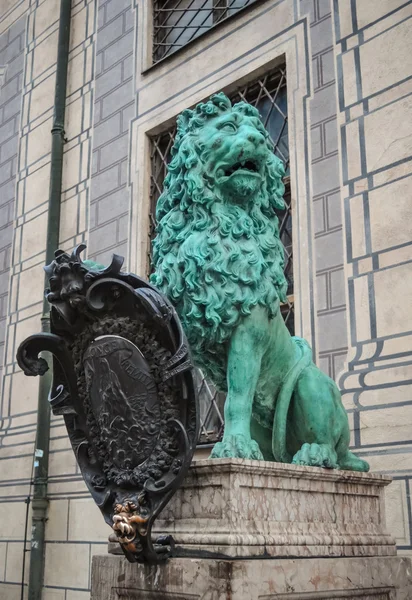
(183, 121)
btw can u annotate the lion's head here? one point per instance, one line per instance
(217, 253)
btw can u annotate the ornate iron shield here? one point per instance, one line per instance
(123, 381)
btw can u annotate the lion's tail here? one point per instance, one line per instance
(279, 450)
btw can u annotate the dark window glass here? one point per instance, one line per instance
(177, 22)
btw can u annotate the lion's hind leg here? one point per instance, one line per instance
(320, 424)
(316, 455)
(318, 421)
(350, 462)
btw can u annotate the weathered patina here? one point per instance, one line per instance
(219, 259)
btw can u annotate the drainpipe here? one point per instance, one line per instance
(41, 459)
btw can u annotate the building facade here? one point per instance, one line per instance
(333, 82)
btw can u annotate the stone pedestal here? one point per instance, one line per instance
(250, 529)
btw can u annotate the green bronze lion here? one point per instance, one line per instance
(218, 257)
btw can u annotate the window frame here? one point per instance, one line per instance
(216, 399)
(149, 25)
(161, 98)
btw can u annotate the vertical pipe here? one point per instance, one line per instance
(41, 464)
(23, 568)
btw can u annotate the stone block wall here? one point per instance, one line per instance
(12, 42)
(114, 107)
(74, 529)
(331, 307)
(348, 73)
(375, 109)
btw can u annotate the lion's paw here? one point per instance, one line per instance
(316, 455)
(237, 446)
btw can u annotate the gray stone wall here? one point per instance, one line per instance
(11, 82)
(114, 107)
(374, 63)
(331, 326)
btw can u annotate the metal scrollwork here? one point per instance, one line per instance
(123, 381)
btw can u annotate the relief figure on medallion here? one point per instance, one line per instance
(219, 259)
(122, 404)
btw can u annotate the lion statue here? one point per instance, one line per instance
(219, 259)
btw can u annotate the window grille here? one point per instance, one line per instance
(177, 22)
(268, 94)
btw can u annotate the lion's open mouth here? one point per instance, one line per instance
(246, 165)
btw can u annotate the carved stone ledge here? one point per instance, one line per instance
(243, 508)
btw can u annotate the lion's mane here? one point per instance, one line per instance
(214, 259)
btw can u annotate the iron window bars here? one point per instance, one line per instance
(268, 94)
(177, 22)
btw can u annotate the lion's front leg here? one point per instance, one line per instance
(246, 350)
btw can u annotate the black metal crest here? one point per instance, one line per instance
(123, 380)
